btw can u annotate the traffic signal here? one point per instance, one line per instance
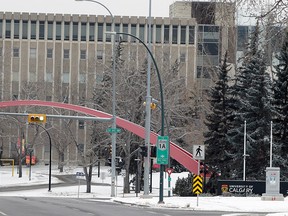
(143, 151)
(109, 162)
(110, 149)
(203, 168)
(36, 118)
(152, 105)
(153, 151)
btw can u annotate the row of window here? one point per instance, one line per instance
(49, 77)
(83, 31)
(66, 54)
(49, 53)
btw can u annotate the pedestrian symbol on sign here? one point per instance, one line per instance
(199, 152)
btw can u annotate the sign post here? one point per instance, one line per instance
(79, 176)
(169, 171)
(198, 154)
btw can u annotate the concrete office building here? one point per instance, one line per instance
(57, 57)
(216, 34)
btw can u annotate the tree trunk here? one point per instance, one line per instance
(61, 162)
(126, 179)
(88, 175)
(20, 162)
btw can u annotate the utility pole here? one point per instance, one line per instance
(148, 113)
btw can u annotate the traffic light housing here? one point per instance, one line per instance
(36, 118)
(143, 151)
(153, 106)
(203, 168)
(110, 149)
(153, 151)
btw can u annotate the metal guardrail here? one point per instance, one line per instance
(9, 160)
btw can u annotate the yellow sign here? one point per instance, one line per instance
(197, 184)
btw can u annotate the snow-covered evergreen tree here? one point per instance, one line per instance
(280, 102)
(219, 122)
(253, 92)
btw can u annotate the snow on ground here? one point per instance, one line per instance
(39, 175)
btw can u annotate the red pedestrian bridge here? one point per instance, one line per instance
(176, 152)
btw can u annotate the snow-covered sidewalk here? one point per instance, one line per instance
(218, 203)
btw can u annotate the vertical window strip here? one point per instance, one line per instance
(58, 30)
(108, 29)
(24, 29)
(42, 30)
(174, 34)
(125, 30)
(133, 32)
(67, 31)
(8, 29)
(1, 26)
(142, 32)
(100, 32)
(83, 31)
(158, 34)
(16, 29)
(33, 30)
(191, 34)
(167, 34)
(75, 31)
(91, 31)
(183, 35)
(50, 31)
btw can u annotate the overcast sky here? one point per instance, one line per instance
(160, 8)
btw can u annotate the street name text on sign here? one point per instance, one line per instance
(113, 130)
(162, 153)
(199, 152)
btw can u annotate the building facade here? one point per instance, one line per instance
(216, 34)
(56, 57)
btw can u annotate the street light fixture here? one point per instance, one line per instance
(148, 105)
(113, 135)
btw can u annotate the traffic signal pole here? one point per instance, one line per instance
(41, 118)
(61, 116)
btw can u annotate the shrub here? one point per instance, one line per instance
(183, 186)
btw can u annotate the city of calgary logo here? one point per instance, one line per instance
(224, 188)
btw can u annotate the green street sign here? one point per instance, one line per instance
(162, 150)
(114, 130)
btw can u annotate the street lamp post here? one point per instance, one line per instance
(50, 156)
(113, 134)
(162, 112)
(148, 110)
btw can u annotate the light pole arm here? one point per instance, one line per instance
(97, 2)
(113, 135)
(158, 75)
(162, 111)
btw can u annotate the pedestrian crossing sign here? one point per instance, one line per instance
(199, 152)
